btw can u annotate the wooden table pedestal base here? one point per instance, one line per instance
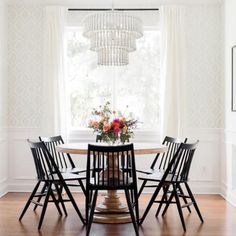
(112, 204)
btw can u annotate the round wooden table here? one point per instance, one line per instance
(111, 200)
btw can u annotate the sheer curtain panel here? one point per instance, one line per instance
(54, 99)
(172, 58)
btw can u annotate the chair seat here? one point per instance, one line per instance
(72, 170)
(69, 176)
(146, 171)
(157, 176)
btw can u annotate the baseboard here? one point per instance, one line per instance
(29, 186)
(228, 194)
(204, 187)
(3, 188)
(21, 187)
(197, 187)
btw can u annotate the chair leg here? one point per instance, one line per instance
(59, 192)
(179, 206)
(55, 202)
(44, 206)
(40, 197)
(82, 186)
(132, 195)
(194, 202)
(87, 202)
(184, 198)
(136, 204)
(151, 202)
(142, 187)
(131, 211)
(90, 218)
(163, 199)
(29, 200)
(168, 203)
(73, 202)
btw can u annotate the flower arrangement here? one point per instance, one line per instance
(112, 126)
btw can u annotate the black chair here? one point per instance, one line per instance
(172, 145)
(176, 174)
(160, 161)
(63, 161)
(49, 174)
(111, 168)
(160, 164)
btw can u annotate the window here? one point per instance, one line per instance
(136, 85)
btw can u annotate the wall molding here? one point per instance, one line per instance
(228, 194)
(228, 136)
(3, 134)
(4, 145)
(206, 134)
(21, 186)
(117, 3)
(197, 187)
(23, 133)
(20, 183)
(3, 187)
(228, 141)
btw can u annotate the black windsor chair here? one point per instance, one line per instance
(176, 174)
(162, 159)
(160, 164)
(49, 174)
(63, 161)
(111, 168)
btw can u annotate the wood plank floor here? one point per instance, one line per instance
(219, 216)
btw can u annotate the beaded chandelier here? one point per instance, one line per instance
(112, 35)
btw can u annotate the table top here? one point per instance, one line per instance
(139, 148)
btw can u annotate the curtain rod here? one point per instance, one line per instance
(115, 9)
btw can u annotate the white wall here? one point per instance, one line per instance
(3, 97)
(228, 164)
(25, 29)
(203, 88)
(203, 92)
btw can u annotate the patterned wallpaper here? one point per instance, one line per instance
(204, 65)
(203, 81)
(3, 65)
(25, 65)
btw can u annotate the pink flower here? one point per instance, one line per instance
(116, 123)
(117, 120)
(116, 130)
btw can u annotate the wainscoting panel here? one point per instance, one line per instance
(228, 166)
(22, 173)
(204, 176)
(205, 169)
(3, 161)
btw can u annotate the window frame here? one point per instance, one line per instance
(86, 134)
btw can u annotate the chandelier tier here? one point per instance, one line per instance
(113, 35)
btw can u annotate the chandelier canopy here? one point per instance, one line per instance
(113, 35)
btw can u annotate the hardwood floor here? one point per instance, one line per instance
(219, 216)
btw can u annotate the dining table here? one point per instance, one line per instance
(112, 202)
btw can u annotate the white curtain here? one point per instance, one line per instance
(53, 94)
(172, 60)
